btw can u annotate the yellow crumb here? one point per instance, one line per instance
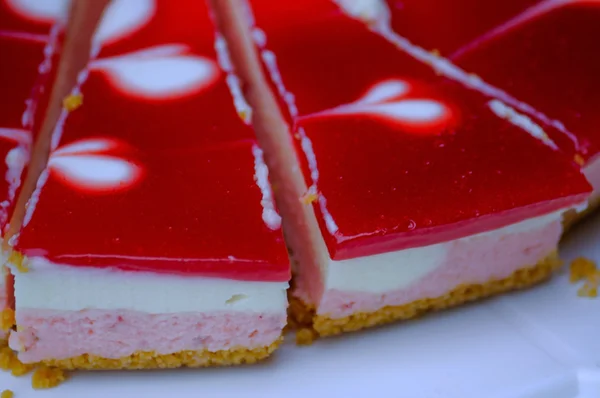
(588, 290)
(7, 394)
(581, 268)
(6, 354)
(244, 115)
(16, 259)
(73, 102)
(579, 160)
(152, 360)
(297, 136)
(47, 377)
(305, 336)
(435, 52)
(309, 198)
(10, 362)
(7, 321)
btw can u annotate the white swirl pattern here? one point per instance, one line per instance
(91, 166)
(47, 11)
(388, 100)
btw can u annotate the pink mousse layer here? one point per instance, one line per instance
(48, 334)
(474, 260)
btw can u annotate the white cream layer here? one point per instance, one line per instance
(396, 270)
(62, 287)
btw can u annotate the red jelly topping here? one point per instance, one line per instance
(33, 17)
(405, 158)
(548, 58)
(163, 78)
(447, 25)
(156, 171)
(22, 87)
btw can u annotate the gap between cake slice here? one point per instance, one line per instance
(152, 240)
(401, 191)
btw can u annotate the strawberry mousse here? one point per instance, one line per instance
(29, 33)
(541, 52)
(152, 239)
(418, 193)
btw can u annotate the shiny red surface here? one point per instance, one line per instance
(20, 83)
(391, 185)
(194, 212)
(14, 18)
(447, 25)
(188, 23)
(550, 61)
(191, 206)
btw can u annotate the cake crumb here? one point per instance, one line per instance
(7, 321)
(305, 336)
(16, 259)
(581, 268)
(244, 115)
(10, 362)
(584, 269)
(7, 394)
(309, 197)
(47, 377)
(579, 160)
(72, 102)
(436, 53)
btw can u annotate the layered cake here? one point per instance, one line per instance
(539, 52)
(152, 239)
(417, 193)
(29, 38)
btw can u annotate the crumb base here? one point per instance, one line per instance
(312, 325)
(151, 360)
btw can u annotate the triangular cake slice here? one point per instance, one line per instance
(31, 37)
(417, 193)
(152, 239)
(541, 53)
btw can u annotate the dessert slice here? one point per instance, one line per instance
(152, 240)
(418, 193)
(29, 36)
(539, 52)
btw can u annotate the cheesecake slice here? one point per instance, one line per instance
(152, 239)
(540, 52)
(416, 194)
(30, 36)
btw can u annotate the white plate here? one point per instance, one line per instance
(541, 343)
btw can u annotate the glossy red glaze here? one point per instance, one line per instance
(27, 17)
(447, 25)
(21, 88)
(191, 212)
(395, 183)
(180, 116)
(550, 60)
(163, 182)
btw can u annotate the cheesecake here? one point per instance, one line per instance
(402, 190)
(152, 239)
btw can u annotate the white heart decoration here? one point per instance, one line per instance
(92, 145)
(47, 11)
(387, 100)
(94, 172)
(20, 136)
(121, 18)
(85, 166)
(161, 72)
(384, 91)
